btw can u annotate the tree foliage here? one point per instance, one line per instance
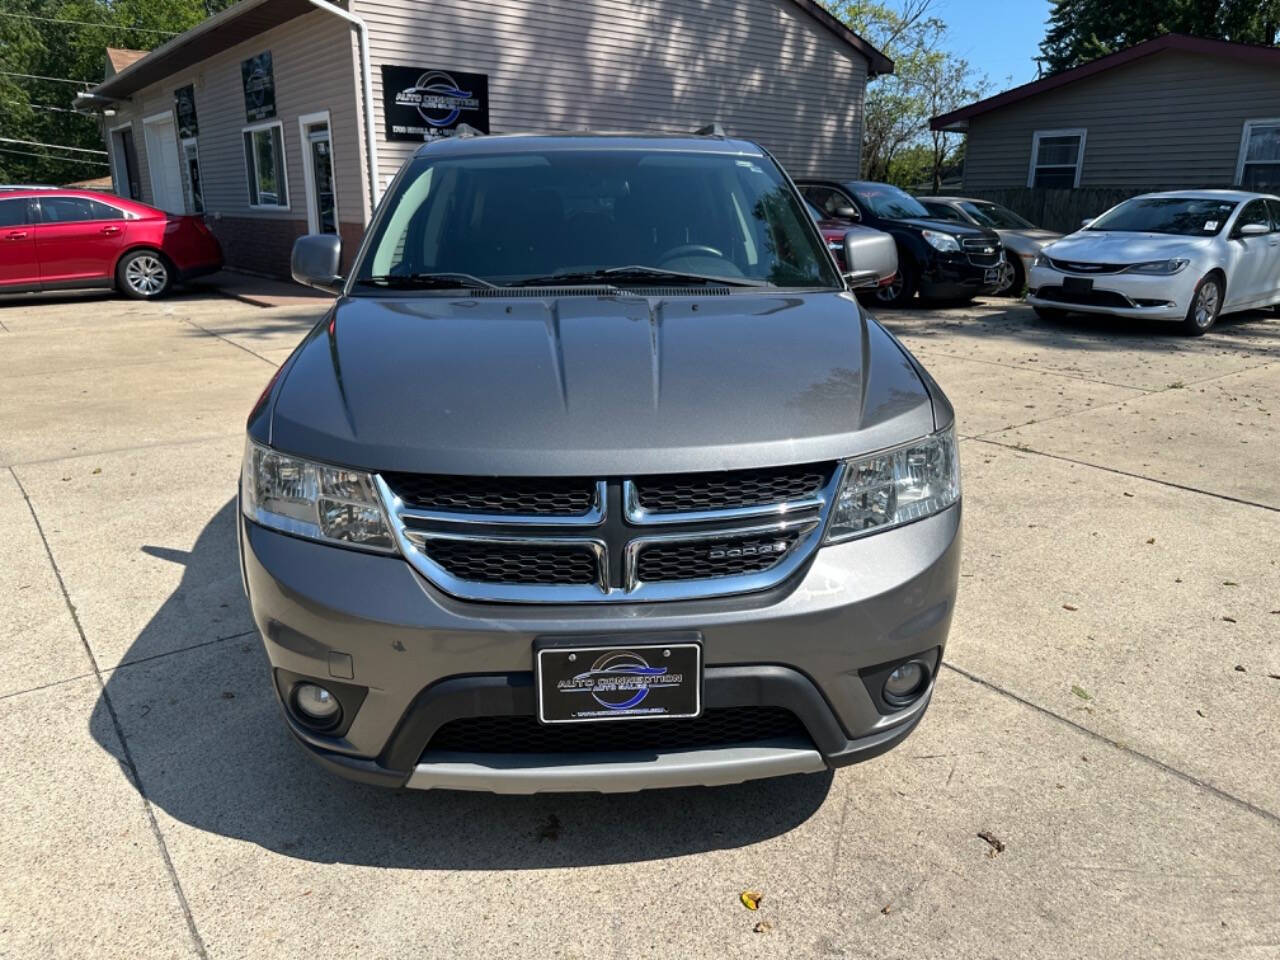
(927, 80)
(1083, 30)
(37, 110)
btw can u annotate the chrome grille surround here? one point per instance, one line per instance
(617, 534)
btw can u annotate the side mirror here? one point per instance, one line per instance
(848, 213)
(1086, 221)
(869, 257)
(1253, 230)
(316, 260)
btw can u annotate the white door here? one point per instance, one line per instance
(163, 164)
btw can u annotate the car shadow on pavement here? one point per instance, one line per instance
(211, 751)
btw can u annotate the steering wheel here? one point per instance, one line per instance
(691, 250)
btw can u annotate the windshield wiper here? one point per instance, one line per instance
(426, 281)
(636, 273)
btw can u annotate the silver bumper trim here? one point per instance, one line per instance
(612, 772)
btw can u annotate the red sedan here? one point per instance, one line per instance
(64, 239)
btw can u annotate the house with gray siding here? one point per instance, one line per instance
(1173, 112)
(277, 118)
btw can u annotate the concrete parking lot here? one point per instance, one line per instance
(1107, 716)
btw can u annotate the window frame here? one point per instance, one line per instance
(1038, 135)
(122, 187)
(305, 121)
(1246, 130)
(252, 174)
(39, 219)
(28, 219)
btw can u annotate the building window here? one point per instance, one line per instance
(1259, 165)
(1057, 157)
(264, 165)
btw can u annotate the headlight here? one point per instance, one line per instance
(1041, 260)
(942, 242)
(313, 500)
(1161, 267)
(896, 486)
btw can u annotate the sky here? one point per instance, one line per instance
(999, 37)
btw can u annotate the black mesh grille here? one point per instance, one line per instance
(683, 493)
(482, 562)
(532, 496)
(716, 727)
(1094, 298)
(701, 559)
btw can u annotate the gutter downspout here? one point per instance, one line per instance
(366, 76)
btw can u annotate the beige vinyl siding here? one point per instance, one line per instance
(1172, 119)
(314, 70)
(764, 69)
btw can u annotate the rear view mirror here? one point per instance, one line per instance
(316, 260)
(1086, 221)
(1253, 230)
(847, 213)
(869, 257)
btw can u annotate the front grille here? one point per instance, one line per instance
(1075, 266)
(482, 561)
(976, 251)
(704, 559)
(689, 492)
(515, 496)
(1093, 298)
(522, 734)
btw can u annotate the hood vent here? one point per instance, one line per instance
(554, 293)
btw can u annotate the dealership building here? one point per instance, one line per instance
(277, 118)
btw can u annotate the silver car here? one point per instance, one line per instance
(596, 476)
(1022, 239)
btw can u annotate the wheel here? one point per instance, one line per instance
(1205, 304)
(144, 275)
(901, 290)
(1050, 313)
(1012, 278)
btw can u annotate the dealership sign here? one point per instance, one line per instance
(259, 87)
(184, 104)
(423, 104)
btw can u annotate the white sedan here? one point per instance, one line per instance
(1185, 256)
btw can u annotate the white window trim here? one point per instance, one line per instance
(162, 117)
(284, 165)
(118, 158)
(1036, 137)
(186, 174)
(1245, 131)
(309, 174)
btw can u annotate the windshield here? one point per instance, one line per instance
(647, 215)
(995, 216)
(890, 202)
(1183, 216)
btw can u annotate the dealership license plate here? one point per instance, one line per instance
(578, 684)
(1077, 284)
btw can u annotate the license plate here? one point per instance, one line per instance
(578, 684)
(1077, 284)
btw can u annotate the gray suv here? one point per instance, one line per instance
(597, 477)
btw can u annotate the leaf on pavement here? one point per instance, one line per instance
(751, 899)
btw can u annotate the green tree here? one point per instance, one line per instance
(40, 110)
(1082, 30)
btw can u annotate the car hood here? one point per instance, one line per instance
(1030, 233)
(1102, 246)
(949, 226)
(596, 385)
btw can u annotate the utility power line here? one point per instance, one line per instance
(46, 106)
(36, 76)
(56, 146)
(88, 23)
(45, 156)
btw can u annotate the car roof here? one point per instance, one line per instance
(1236, 195)
(536, 142)
(43, 193)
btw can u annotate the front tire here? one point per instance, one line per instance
(1206, 303)
(902, 290)
(144, 275)
(1016, 279)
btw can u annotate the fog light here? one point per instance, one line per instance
(905, 683)
(316, 704)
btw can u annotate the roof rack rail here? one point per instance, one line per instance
(710, 130)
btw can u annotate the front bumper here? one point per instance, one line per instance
(422, 658)
(955, 276)
(1116, 294)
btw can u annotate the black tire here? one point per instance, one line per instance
(1019, 283)
(1050, 313)
(1206, 303)
(144, 275)
(903, 289)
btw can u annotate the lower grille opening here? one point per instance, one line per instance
(521, 563)
(1093, 298)
(522, 734)
(704, 559)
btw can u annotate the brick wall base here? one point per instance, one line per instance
(264, 246)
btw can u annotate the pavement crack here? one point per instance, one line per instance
(44, 686)
(1123, 747)
(186, 649)
(132, 766)
(1127, 473)
(238, 346)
